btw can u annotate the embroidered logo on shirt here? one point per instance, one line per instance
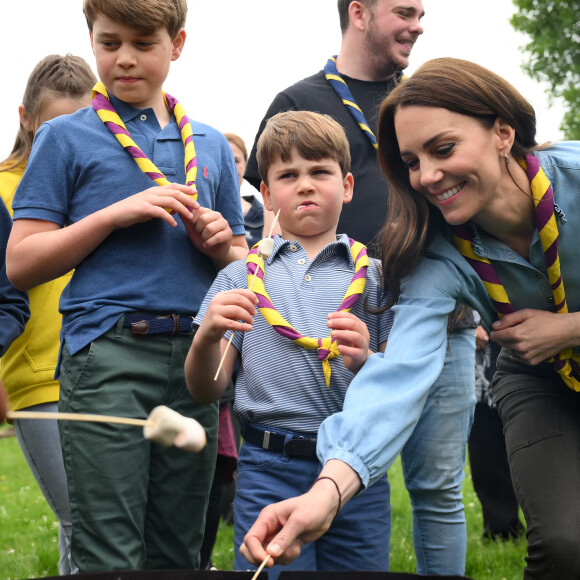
(205, 174)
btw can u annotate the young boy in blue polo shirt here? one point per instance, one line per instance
(284, 389)
(144, 252)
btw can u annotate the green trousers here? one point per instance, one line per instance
(134, 504)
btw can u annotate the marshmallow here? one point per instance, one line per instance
(191, 438)
(171, 428)
(266, 247)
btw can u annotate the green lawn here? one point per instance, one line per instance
(28, 530)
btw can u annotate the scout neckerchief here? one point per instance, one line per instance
(326, 347)
(565, 362)
(341, 88)
(107, 113)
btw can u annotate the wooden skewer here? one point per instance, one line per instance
(78, 417)
(255, 576)
(249, 288)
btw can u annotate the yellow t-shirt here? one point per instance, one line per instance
(27, 369)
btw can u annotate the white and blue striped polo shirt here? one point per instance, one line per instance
(281, 384)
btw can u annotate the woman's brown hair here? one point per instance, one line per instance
(459, 86)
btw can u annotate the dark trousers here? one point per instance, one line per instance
(541, 418)
(134, 504)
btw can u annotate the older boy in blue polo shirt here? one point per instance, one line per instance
(144, 256)
(283, 391)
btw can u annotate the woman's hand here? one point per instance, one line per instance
(537, 335)
(283, 528)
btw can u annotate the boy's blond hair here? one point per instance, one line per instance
(146, 16)
(314, 136)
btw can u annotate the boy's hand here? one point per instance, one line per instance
(229, 310)
(352, 338)
(153, 203)
(210, 233)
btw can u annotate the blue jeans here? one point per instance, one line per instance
(358, 538)
(40, 445)
(434, 458)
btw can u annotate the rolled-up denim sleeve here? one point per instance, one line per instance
(386, 397)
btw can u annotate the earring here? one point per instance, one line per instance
(507, 159)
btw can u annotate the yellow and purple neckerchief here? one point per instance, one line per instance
(341, 89)
(326, 347)
(109, 116)
(565, 363)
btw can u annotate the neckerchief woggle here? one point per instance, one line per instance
(326, 347)
(565, 363)
(109, 116)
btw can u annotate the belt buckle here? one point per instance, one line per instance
(174, 318)
(191, 331)
(266, 440)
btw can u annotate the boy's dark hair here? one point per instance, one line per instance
(55, 76)
(146, 16)
(314, 136)
(343, 11)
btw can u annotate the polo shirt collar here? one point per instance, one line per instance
(342, 244)
(128, 113)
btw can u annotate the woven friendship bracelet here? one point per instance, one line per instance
(109, 116)
(337, 489)
(326, 347)
(565, 363)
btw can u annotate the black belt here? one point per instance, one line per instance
(142, 323)
(298, 446)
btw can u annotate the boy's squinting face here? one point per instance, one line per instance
(134, 66)
(309, 194)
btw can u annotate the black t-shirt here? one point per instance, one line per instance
(363, 217)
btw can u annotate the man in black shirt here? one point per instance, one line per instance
(377, 38)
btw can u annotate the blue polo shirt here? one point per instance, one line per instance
(77, 167)
(281, 384)
(389, 392)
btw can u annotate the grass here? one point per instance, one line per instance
(28, 529)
